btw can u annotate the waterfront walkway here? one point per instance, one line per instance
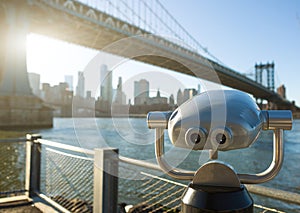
(25, 205)
(20, 208)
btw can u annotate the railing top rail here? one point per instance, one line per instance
(66, 147)
(132, 161)
(140, 163)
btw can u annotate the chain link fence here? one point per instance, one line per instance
(68, 179)
(147, 190)
(143, 190)
(12, 168)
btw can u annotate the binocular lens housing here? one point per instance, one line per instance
(218, 120)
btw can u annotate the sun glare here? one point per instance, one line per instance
(53, 59)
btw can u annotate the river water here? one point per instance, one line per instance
(135, 140)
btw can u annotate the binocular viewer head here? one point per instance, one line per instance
(218, 120)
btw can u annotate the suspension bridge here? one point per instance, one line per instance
(141, 30)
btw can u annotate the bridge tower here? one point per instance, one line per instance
(264, 75)
(18, 106)
(260, 70)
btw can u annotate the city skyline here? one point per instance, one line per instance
(141, 88)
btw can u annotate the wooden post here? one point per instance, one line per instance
(106, 180)
(33, 164)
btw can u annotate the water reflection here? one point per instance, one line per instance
(12, 167)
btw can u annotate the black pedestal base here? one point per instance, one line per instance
(216, 199)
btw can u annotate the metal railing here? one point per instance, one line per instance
(72, 179)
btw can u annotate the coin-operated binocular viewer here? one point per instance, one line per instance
(218, 121)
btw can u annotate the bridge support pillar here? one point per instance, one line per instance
(14, 79)
(18, 106)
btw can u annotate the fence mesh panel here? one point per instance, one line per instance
(68, 180)
(12, 168)
(145, 190)
(148, 192)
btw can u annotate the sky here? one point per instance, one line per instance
(238, 33)
(242, 33)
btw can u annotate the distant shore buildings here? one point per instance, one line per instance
(66, 102)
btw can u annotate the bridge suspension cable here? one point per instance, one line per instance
(153, 17)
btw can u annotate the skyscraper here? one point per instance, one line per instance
(120, 95)
(106, 91)
(80, 85)
(179, 97)
(141, 91)
(69, 81)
